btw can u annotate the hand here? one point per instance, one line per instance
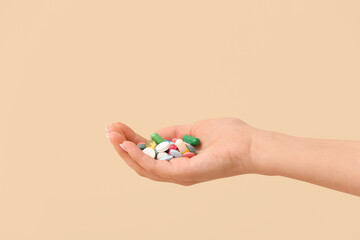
(224, 151)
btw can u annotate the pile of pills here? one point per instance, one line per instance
(162, 149)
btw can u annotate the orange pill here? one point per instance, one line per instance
(188, 154)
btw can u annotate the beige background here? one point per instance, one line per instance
(68, 68)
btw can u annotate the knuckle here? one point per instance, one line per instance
(118, 125)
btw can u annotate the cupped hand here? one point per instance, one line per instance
(225, 150)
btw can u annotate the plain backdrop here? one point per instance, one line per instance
(68, 68)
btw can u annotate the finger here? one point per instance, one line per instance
(126, 131)
(160, 168)
(115, 138)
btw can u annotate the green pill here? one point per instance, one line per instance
(192, 140)
(157, 138)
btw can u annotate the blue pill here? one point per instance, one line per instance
(142, 146)
(191, 148)
(168, 157)
(175, 153)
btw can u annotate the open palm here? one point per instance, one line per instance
(224, 151)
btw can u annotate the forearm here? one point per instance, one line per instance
(329, 163)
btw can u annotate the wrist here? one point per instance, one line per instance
(265, 145)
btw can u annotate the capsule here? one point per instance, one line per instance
(192, 140)
(157, 138)
(151, 144)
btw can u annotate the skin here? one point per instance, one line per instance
(231, 147)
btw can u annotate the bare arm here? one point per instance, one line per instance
(231, 147)
(330, 163)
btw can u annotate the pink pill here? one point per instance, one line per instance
(188, 154)
(173, 147)
(174, 140)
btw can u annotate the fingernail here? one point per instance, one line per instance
(106, 129)
(122, 147)
(108, 137)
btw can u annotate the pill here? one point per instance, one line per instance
(175, 153)
(142, 146)
(173, 147)
(156, 153)
(141, 143)
(149, 151)
(162, 147)
(161, 155)
(151, 144)
(191, 148)
(181, 146)
(174, 140)
(168, 157)
(192, 140)
(188, 154)
(157, 138)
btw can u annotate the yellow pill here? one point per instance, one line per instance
(151, 144)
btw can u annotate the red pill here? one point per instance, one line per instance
(188, 154)
(173, 147)
(174, 140)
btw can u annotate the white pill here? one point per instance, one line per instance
(181, 145)
(162, 147)
(161, 155)
(150, 152)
